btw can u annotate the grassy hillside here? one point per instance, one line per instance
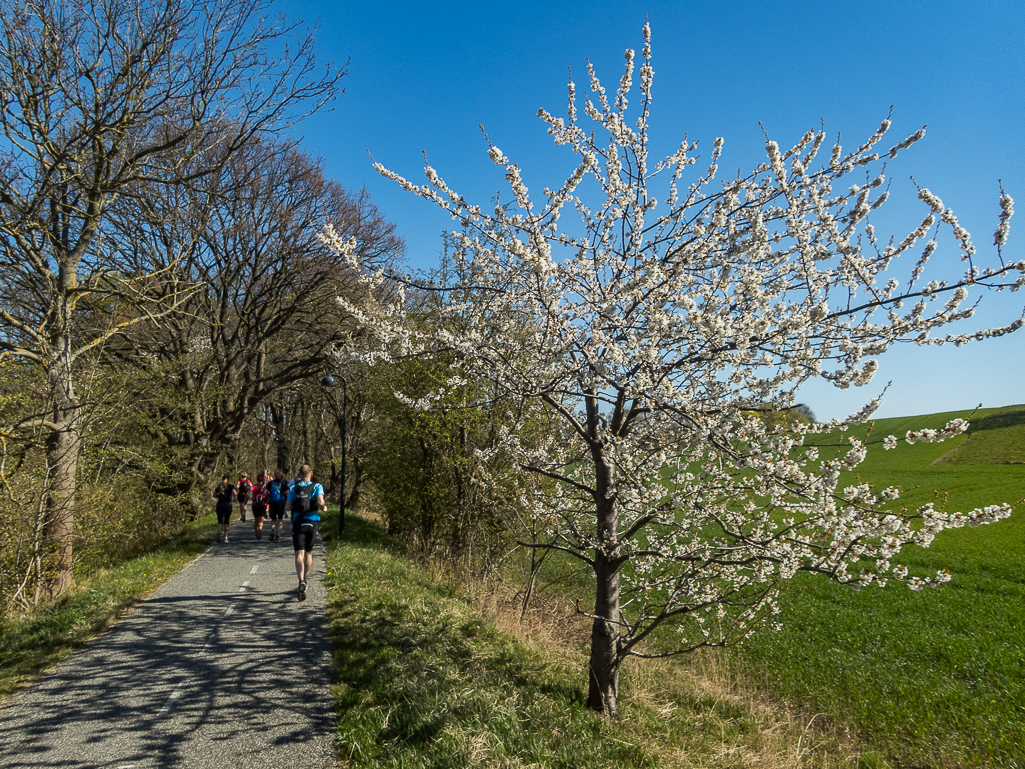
(428, 679)
(930, 679)
(937, 678)
(995, 438)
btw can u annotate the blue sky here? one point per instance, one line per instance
(423, 77)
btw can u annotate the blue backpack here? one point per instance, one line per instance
(276, 491)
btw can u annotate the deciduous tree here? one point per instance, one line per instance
(649, 330)
(264, 321)
(97, 100)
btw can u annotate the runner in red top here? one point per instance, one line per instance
(259, 503)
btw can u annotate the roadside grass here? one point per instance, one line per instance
(934, 678)
(35, 641)
(428, 677)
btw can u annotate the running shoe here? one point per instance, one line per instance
(302, 591)
(259, 535)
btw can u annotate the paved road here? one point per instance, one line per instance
(222, 667)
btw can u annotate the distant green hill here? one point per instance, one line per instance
(996, 437)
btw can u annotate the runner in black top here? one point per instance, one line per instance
(224, 493)
(244, 486)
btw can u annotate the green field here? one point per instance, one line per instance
(933, 678)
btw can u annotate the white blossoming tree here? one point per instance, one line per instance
(657, 329)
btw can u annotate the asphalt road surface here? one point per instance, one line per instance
(221, 668)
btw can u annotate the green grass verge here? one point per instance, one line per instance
(935, 678)
(37, 640)
(425, 680)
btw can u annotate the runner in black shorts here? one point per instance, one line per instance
(244, 486)
(305, 502)
(224, 493)
(277, 493)
(259, 503)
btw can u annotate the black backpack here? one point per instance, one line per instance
(302, 500)
(223, 493)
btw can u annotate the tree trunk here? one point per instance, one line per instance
(603, 678)
(204, 471)
(63, 446)
(283, 460)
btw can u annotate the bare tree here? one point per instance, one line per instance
(97, 100)
(265, 319)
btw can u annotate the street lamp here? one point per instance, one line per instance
(329, 381)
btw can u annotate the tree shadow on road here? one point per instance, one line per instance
(180, 676)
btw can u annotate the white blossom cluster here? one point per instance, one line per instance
(1006, 211)
(663, 330)
(952, 428)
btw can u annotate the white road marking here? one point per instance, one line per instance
(229, 610)
(170, 700)
(244, 585)
(253, 570)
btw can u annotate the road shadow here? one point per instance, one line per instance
(180, 679)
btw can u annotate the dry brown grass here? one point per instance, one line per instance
(729, 722)
(739, 725)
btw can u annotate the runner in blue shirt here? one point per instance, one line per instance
(277, 494)
(305, 502)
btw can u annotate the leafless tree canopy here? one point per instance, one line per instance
(263, 318)
(99, 102)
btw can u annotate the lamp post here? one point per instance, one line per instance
(329, 381)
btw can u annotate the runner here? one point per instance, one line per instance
(305, 502)
(277, 493)
(224, 493)
(259, 503)
(244, 487)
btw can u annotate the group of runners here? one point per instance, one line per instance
(301, 497)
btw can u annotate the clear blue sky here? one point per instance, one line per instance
(423, 76)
